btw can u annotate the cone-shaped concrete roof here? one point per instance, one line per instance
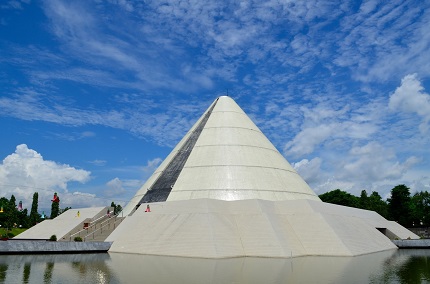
(223, 156)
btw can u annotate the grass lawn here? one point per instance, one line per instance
(15, 231)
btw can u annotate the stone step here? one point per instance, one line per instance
(101, 234)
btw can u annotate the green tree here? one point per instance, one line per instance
(23, 218)
(340, 197)
(64, 210)
(399, 205)
(377, 204)
(4, 204)
(421, 208)
(34, 215)
(9, 216)
(12, 201)
(55, 207)
(12, 212)
(364, 199)
(116, 208)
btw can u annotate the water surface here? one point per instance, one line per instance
(396, 266)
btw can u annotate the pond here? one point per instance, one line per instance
(396, 266)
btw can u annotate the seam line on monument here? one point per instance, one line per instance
(241, 189)
(245, 166)
(237, 145)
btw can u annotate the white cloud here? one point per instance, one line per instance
(290, 63)
(85, 194)
(165, 128)
(310, 171)
(13, 4)
(99, 163)
(152, 165)
(126, 5)
(375, 163)
(306, 141)
(410, 97)
(322, 125)
(382, 40)
(114, 188)
(368, 6)
(120, 190)
(124, 189)
(25, 172)
(354, 146)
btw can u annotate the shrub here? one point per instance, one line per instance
(77, 239)
(53, 238)
(10, 235)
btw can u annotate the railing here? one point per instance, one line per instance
(93, 226)
(103, 225)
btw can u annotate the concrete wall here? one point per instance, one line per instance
(32, 247)
(211, 228)
(422, 232)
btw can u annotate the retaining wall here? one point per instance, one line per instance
(47, 247)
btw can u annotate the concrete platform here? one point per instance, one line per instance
(408, 244)
(70, 221)
(209, 228)
(46, 247)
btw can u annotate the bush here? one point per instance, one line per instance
(10, 235)
(77, 239)
(53, 238)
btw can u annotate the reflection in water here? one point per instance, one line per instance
(47, 276)
(3, 270)
(100, 273)
(406, 266)
(248, 270)
(69, 268)
(415, 270)
(402, 266)
(26, 273)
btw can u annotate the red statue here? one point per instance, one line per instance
(56, 198)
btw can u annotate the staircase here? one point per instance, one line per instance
(104, 229)
(94, 231)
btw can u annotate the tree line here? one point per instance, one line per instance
(12, 215)
(402, 207)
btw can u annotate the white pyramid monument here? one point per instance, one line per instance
(223, 156)
(225, 191)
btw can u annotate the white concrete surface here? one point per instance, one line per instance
(63, 224)
(232, 160)
(238, 196)
(212, 228)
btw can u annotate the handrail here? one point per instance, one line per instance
(103, 216)
(77, 233)
(93, 225)
(115, 219)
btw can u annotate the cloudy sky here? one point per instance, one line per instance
(94, 94)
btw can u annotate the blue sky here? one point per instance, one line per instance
(95, 94)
